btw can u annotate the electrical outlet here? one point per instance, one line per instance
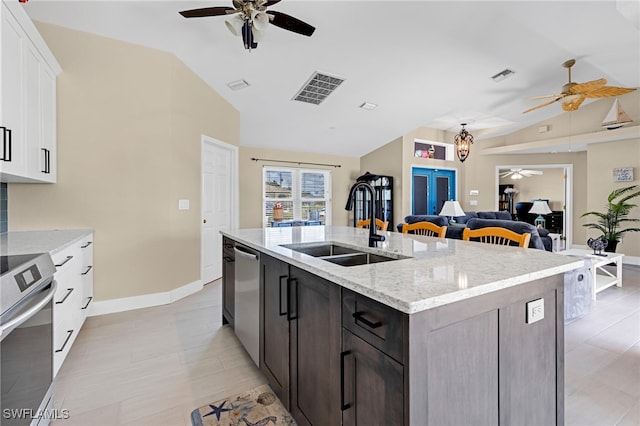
(183, 204)
(535, 311)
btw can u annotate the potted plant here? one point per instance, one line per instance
(611, 222)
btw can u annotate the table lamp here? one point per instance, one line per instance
(451, 209)
(540, 207)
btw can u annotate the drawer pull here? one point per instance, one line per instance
(359, 316)
(87, 244)
(70, 333)
(88, 301)
(69, 291)
(68, 258)
(87, 271)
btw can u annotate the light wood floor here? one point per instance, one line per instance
(154, 366)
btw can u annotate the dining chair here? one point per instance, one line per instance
(380, 224)
(497, 235)
(424, 228)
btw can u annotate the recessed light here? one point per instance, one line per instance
(502, 75)
(368, 105)
(238, 84)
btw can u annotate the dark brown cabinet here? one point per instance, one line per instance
(373, 385)
(274, 325)
(315, 349)
(228, 280)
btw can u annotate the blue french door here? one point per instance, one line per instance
(431, 188)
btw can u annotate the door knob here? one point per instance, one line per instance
(204, 221)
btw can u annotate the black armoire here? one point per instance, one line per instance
(383, 186)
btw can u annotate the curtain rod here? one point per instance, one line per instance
(296, 162)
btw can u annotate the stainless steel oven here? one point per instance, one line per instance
(26, 346)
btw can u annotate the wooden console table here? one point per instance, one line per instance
(601, 278)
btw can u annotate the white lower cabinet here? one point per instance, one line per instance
(73, 296)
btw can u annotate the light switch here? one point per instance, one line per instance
(183, 204)
(473, 202)
(535, 310)
(474, 192)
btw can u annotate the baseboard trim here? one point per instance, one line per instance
(112, 306)
(626, 260)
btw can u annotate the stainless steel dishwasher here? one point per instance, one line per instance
(247, 300)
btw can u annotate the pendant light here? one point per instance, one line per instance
(463, 141)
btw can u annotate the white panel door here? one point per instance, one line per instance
(217, 200)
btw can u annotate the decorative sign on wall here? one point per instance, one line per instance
(623, 174)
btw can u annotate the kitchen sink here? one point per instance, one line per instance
(355, 259)
(321, 249)
(340, 255)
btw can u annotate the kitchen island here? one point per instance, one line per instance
(438, 331)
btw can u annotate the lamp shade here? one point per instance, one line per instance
(234, 24)
(451, 208)
(540, 207)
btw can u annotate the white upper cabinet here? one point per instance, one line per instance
(28, 72)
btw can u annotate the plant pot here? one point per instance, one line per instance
(611, 247)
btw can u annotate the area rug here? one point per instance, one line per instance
(257, 407)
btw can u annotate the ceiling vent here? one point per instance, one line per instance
(502, 75)
(238, 84)
(368, 106)
(317, 88)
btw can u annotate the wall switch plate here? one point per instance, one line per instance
(183, 204)
(473, 202)
(474, 192)
(535, 311)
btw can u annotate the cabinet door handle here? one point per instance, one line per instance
(70, 333)
(87, 271)
(292, 288)
(46, 161)
(359, 316)
(280, 294)
(69, 291)
(343, 406)
(88, 301)
(68, 258)
(6, 144)
(87, 244)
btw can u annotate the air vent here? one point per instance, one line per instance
(502, 75)
(369, 106)
(238, 84)
(317, 88)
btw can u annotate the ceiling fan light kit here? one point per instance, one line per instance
(463, 141)
(251, 20)
(573, 94)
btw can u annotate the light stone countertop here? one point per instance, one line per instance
(45, 241)
(438, 272)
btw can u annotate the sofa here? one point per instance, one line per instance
(473, 220)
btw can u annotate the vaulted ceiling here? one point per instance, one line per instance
(424, 63)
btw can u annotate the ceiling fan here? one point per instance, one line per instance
(250, 19)
(573, 94)
(519, 173)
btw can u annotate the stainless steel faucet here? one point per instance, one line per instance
(373, 237)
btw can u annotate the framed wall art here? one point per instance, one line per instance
(623, 174)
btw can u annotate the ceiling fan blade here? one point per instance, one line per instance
(608, 91)
(238, 4)
(588, 86)
(271, 3)
(542, 105)
(531, 172)
(546, 96)
(573, 104)
(287, 22)
(207, 11)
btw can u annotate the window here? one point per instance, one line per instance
(303, 194)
